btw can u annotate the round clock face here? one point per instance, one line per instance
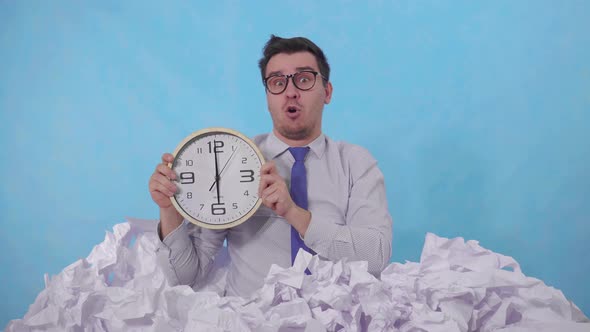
(217, 175)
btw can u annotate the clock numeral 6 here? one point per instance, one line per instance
(187, 177)
(248, 176)
(217, 209)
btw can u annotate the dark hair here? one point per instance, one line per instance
(276, 45)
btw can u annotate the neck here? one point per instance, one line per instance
(296, 143)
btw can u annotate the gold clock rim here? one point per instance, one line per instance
(202, 132)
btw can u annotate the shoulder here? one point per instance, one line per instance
(355, 158)
(259, 139)
(349, 151)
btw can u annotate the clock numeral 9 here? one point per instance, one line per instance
(217, 209)
(187, 177)
(248, 177)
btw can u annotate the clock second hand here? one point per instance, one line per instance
(223, 168)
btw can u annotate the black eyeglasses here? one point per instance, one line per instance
(303, 80)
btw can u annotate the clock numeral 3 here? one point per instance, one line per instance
(248, 176)
(217, 209)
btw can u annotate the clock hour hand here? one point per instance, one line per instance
(223, 169)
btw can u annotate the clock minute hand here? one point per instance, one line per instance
(217, 176)
(223, 168)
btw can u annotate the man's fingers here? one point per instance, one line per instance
(269, 191)
(167, 158)
(159, 179)
(270, 200)
(156, 187)
(163, 181)
(264, 183)
(268, 168)
(267, 180)
(166, 171)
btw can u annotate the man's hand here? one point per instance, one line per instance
(161, 189)
(275, 195)
(273, 190)
(161, 186)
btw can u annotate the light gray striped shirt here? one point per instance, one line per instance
(350, 218)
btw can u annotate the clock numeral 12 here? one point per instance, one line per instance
(217, 145)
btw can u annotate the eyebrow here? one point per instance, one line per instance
(297, 68)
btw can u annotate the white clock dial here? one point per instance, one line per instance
(218, 173)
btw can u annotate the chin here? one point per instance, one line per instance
(294, 134)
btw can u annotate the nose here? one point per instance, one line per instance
(292, 91)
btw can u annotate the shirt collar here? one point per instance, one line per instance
(276, 147)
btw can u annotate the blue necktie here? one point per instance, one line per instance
(299, 195)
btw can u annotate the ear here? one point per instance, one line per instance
(328, 88)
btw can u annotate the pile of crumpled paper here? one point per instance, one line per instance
(457, 286)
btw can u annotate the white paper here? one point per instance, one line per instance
(456, 286)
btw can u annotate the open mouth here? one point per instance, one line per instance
(293, 112)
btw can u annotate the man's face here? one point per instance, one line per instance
(297, 114)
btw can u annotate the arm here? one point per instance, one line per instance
(185, 251)
(366, 232)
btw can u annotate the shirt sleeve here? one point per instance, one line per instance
(186, 254)
(366, 232)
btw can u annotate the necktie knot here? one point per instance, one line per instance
(299, 153)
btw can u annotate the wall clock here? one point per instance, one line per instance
(218, 174)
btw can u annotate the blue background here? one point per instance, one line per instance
(478, 112)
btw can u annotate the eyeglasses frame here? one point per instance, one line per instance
(292, 77)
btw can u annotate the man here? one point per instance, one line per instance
(343, 212)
